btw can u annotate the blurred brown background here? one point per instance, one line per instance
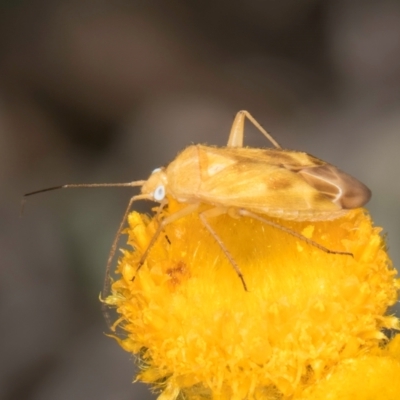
(105, 91)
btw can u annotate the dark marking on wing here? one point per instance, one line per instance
(342, 188)
(279, 184)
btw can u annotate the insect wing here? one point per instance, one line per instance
(270, 181)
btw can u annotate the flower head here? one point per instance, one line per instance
(306, 314)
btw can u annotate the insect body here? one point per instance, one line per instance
(274, 182)
(257, 183)
(277, 183)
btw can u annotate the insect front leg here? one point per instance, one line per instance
(237, 130)
(214, 212)
(246, 213)
(174, 217)
(107, 281)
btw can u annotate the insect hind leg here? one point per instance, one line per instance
(237, 131)
(214, 212)
(246, 213)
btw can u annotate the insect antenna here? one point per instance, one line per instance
(77, 185)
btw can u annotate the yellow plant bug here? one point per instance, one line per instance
(250, 182)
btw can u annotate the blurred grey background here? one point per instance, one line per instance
(106, 91)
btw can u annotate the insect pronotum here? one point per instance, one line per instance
(255, 183)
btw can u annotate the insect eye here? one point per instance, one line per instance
(159, 193)
(156, 170)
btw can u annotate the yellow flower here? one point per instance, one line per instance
(307, 316)
(369, 376)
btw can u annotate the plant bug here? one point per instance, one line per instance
(249, 182)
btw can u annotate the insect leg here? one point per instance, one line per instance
(174, 217)
(163, 203)
(214, 212)
(237, 130)
(311, 242)
(107, 280)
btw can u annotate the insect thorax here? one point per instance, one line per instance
(184, 175)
